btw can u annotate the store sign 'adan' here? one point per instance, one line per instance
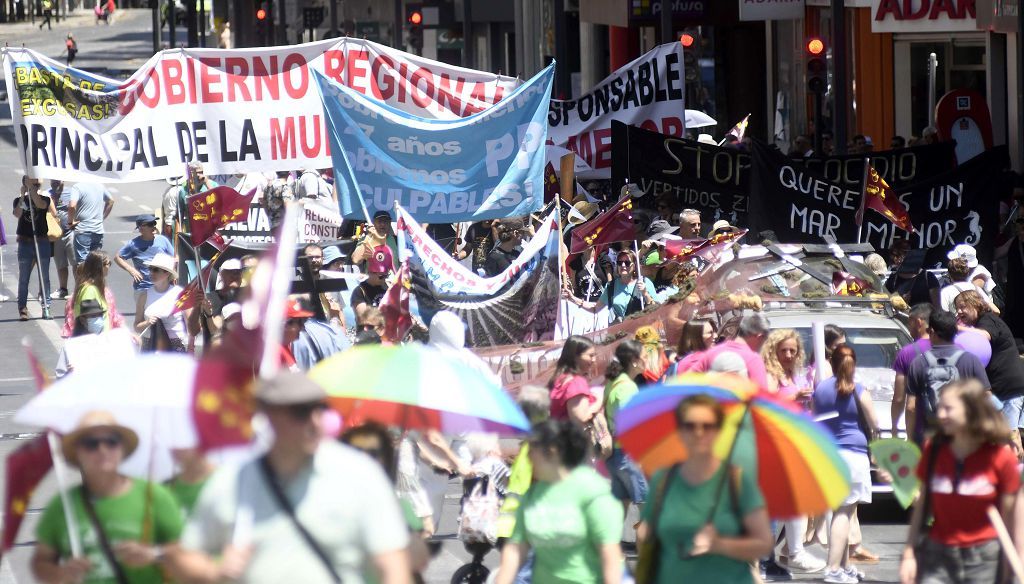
(923, 15)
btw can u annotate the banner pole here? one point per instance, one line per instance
(863, 200)
(639, 276)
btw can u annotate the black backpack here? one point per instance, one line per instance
(940, 372)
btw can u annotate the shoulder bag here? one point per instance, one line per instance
(646, 571)
(600, 437)
(53, 230)
(286, 505)
(101, 537)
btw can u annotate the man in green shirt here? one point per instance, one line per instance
(133, 518)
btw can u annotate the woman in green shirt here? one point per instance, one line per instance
(569, 517)
(694, 543)
(122, 523)
(628, 483)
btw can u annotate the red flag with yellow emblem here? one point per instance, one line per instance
(615, 224)
(878, 195)
(25, 468)
(222, 403)
(550, 183)
(395, 306)
(209, 211)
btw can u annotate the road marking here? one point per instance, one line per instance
(127, 198)
(145, 207)
(15, 379)
(20, 436)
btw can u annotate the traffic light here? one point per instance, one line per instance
(817, 67)
(414, 19)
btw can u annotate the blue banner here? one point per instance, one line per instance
(486, 166)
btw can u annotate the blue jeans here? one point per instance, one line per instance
(628, 483)
(26, 265)
(86, 242)
(1013, 411)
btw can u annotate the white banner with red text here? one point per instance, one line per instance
(244, 110)
(233, 110)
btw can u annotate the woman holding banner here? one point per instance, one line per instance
(624, 295)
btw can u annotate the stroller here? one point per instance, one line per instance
(478, 522)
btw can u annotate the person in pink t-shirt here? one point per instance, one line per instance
(753, 331)
(571, 398)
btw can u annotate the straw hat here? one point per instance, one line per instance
(584, 208)
(98, 420)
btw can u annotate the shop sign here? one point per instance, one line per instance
(771, 9)
(923, 15)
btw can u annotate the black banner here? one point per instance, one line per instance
(799, 204)
(952, 207)
(713, 180)
(717, 181)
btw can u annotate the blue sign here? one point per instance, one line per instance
(486, 166)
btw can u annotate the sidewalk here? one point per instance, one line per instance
(77, 18)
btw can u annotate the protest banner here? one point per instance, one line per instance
(690, 174)
(516, 306)
(716, 180)
(255, 228)
(957, 206)
(798, 204)
(648, 92)
(233, 110)
(488, 165)
(318, 222)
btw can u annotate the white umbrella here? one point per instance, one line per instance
(149, 393)
(698, 119)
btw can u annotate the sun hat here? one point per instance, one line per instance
(332, 254)
(659, 226)
(97, 420)
(720, 224)
(164, 262)
(586, 209)
(289, 388)
(707, 139)
(965, 252)
(383, 213)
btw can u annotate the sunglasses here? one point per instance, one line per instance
(302, 412)
(93, 443)
(692, 427)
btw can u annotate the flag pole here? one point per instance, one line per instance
(59, 470)
(39, 263)
(863, 200)
(639, 276)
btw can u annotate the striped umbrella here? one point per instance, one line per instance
(416, 387)
(799, 468)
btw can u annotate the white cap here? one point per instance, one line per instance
(231, 264)
(965, 252)
(230, 309)
(707, 139)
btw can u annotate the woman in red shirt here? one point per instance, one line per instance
(966, 468)
(571, 398)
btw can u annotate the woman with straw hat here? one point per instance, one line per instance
(121, 522)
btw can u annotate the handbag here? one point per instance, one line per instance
(53, 230)
(286, 505)
(600, 437)
(646, 571)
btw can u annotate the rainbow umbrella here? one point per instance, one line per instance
(416, 388)
(799, 467)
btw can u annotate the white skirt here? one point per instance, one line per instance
(860, 476)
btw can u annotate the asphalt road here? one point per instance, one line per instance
(125, 45)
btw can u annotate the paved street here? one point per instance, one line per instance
(125, 45)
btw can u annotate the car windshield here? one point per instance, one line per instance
(875, 347)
